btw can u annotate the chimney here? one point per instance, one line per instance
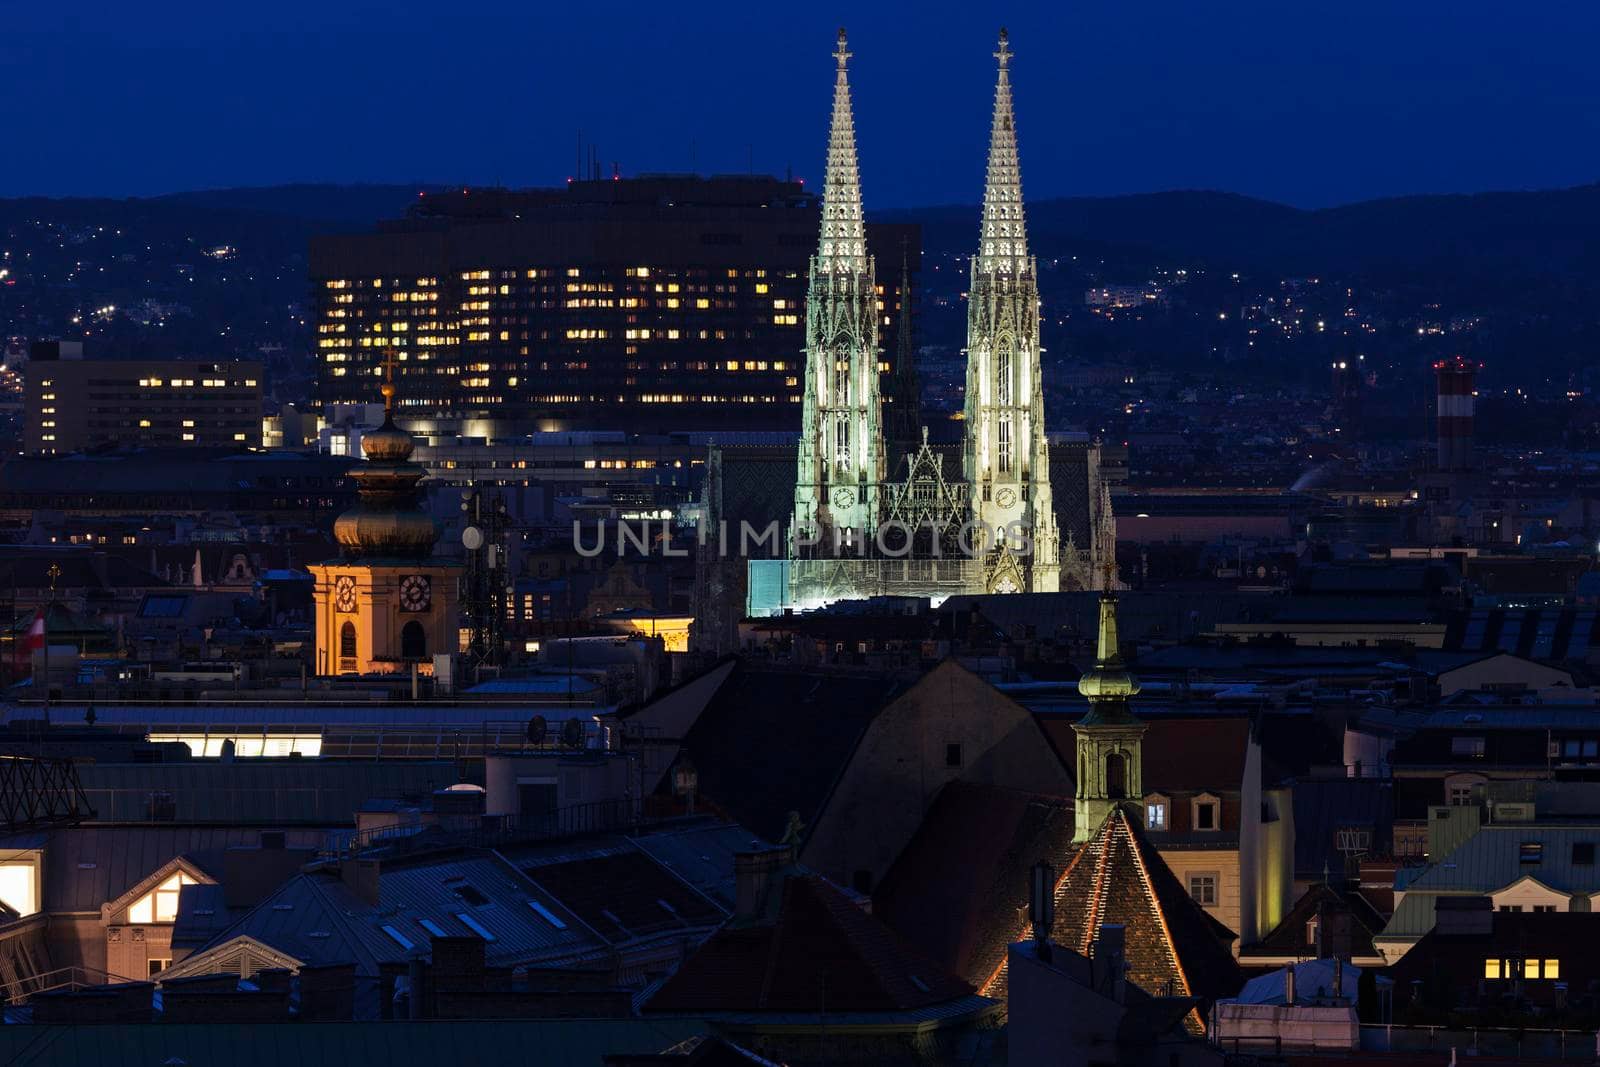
(1042, 908)
(1111, 960)
(362, 876)
(753, 877)
(328, 993)
(1457, 387)
(1288, 985)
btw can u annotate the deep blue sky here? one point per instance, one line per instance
(1308, 103)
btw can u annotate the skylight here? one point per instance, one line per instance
(432, 927)
(547, 915)
(474, 925)
(398, 938)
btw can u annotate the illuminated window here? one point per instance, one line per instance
(1491, 968)
(1552, 968)
(160, 905)
(18, 887)
(1155, 813)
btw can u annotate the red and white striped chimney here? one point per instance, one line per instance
(1457, 387)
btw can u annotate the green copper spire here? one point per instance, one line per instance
(1108, 684)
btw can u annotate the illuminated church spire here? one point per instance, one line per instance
(1007, 456)
(1003, 246)
(844, 237)
(841, 456)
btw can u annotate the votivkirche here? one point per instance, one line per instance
(856, 532)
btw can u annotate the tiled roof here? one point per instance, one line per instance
(957, 889)
(1174, 948)
(821, 954)
(774, 741)
(1329, 905)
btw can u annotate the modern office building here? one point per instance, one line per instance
(76, 404)
(652, 304)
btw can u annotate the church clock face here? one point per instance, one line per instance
(416, 593)
(1005, 497)
(843, 497)
(344, 593)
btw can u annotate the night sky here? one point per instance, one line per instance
(1310, 103)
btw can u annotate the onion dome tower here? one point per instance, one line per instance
(386, 605)
(387, 522)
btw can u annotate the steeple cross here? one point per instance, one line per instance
(1004, 54)
(387, 389)
(842, 53)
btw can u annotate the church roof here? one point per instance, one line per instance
(820, 953)
(1174, 947)
(958, 886)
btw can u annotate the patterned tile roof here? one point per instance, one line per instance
(1174, 948)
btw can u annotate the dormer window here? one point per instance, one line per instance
(1206, 813)
(160, 905)
(1156, 812)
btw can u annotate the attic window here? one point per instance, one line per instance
(432, 927)
(160, 905)
(547, 915)
(1205, 815)
(1583, 853)
(1530, 852)
(398, 938)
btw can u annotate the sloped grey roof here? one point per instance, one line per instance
(85, 867)
(1491, 859)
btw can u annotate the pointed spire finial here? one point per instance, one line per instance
(1003, 247)
(842, 53)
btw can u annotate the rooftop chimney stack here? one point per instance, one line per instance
(1042, 907)
(1111, 960)
(1457, 387)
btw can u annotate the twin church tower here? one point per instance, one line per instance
(855, 532)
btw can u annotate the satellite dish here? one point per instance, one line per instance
(472, 538)
(572, 733)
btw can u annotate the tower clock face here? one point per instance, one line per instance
(1006, 497)
(416, 593)
(344, 593)
(843, 497)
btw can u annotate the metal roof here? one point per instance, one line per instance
(85, 867)
(252, 791)
(433, 1043)
(1492, 859)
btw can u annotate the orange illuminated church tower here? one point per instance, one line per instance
(386, 603)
